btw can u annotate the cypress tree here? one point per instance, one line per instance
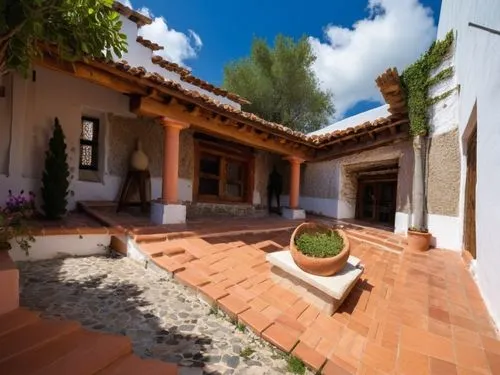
(55, 179)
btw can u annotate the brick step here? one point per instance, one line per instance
(88, 353)
(133, 365)
(16, 319)
(32, 336)
(375, 241)
(9, 281)
(150, 238)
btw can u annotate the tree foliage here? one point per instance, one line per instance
(279, 83)
(55, 179)
(77, 28)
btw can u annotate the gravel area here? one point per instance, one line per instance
(164, 319)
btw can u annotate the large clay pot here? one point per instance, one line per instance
(139, 160)
(418, 241)
(319, 266)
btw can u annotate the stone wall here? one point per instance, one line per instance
(443, 177)
(202, 209)
(337, 179)
(123, 134)
(264, 162)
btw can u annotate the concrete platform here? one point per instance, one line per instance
(326, 293)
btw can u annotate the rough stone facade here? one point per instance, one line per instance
(264, 162)
(201, 209)
(337, 179)
(444, 174)
(123, 135)
(321, 180)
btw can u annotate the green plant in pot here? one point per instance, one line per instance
(416, 80)
(318, 249)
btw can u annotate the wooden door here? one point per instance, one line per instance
(377, 200)
(470, 196)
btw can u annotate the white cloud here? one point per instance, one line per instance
(179, 46)
(395, 33)
(127, 3)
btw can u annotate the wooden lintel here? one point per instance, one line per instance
(196, 111)
(153, 108)
(353, 148)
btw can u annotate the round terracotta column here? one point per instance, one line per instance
(295, 163)
(170, 176)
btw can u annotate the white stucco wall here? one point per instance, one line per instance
(35, 105)
(477, 62)
(139, 55)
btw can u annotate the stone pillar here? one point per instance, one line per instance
(293, 211)
(168, 210)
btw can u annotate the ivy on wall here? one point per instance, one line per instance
(416, 81)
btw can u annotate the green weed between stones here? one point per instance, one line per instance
(295, 365)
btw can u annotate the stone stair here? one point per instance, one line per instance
(32, 345)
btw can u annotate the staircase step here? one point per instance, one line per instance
(118, 245)
(133, 365)
(149, 238)
(16, 319)
(32, 336)
(9, 280)
(44, 355)
(91, 354)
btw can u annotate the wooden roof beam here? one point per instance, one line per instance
(244, 134)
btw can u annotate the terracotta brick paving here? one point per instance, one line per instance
(409, 314)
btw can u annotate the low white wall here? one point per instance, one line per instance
(48, 247)
(445, 230)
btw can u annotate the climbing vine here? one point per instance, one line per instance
(416, 80)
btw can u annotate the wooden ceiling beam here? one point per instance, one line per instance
(353, 148)
(148, 107)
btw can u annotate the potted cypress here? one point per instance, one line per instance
(318, 249)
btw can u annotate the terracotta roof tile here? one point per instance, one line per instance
(149, 44)
(396, 96)
(170, 66)
(186, 76)
(138, 18)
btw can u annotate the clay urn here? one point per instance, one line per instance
(418, 241)
(139, 160)
(319, 266)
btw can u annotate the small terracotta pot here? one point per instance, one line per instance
(319, 266)
(418, 241)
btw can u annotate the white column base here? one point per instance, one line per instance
(293, 213)
(167, 213)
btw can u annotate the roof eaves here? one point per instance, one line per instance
(134, 16)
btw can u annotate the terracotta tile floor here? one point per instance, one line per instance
(409, 314)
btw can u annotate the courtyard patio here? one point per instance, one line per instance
(410, 313)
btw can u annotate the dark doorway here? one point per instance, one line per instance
(470, 196)
(377, 199)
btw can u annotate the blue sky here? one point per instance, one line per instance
(226, 28)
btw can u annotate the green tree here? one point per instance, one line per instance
(77, 28)
(55, 179)
(280, 84)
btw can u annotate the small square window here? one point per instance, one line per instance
(89, 144)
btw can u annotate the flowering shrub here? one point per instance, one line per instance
(13, 216)
(21, 203)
